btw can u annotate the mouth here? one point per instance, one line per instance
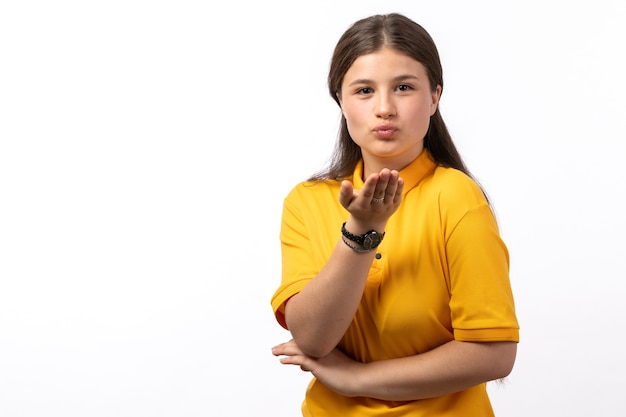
(385, 131)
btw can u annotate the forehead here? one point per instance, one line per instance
(384, 63)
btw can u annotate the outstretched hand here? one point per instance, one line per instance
(379, 198)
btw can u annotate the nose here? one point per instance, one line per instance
(385, 106)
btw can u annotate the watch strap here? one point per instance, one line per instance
(355, 238)
(354, 248)
(361, 239)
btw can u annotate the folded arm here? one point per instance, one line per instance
(449, 368)
(320, 313)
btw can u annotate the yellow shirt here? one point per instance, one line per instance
(442, 275)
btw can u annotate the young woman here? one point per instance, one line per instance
(395, 283)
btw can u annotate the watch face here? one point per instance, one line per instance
(371, 240)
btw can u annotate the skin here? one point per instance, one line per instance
(391, 90)
(388, 88)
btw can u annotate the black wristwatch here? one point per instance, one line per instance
(369, 240)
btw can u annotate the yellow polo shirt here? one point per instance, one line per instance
(442, 274)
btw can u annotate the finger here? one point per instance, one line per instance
(282, 347)
(397, 198)
(346, 193)
(289, 349)
(392, 187)
(372, 189)
(300, 361)
(384, 179)
(277, 350)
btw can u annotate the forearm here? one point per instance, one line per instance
(320, 314)
(449, 368)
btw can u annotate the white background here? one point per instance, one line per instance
(146, 147)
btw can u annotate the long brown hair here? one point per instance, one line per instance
(370, 35)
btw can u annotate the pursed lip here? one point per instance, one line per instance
(385, 131)
(385, 127)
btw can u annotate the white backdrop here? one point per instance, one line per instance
(146, 147)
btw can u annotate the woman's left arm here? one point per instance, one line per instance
(449, 368)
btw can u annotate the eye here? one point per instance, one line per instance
(404, 87)
(364, 91)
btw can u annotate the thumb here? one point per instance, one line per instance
(346, 193)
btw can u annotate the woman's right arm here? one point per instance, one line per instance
(319, 315)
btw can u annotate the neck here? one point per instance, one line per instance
(373, 164)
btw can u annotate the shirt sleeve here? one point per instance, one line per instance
(297, 268)
(481, 301)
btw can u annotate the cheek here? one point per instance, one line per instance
(354, 114)
(422, 108)
(355, 122)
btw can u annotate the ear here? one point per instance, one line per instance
(340, 101)
(435, 96)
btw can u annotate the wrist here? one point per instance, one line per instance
(366, 242)
(359, 227)
(355, 246)
(356, 386)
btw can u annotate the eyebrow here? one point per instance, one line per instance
(395, 79)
